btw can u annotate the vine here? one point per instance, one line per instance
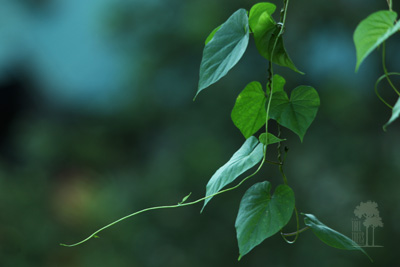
(371, 33)
(262, 214)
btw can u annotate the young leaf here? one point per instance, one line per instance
(329, 236)
(249, 113)
(245, 158)
(224, 49)
(395, 114)
(272, 139)
(297, 113)
(262, 215)
(256, 12)
(373, 31)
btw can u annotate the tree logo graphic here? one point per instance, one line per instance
(367, 214)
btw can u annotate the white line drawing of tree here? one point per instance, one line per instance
(374, 222)
(369, 211)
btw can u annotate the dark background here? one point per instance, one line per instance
(97, 121)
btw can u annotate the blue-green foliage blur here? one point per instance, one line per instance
(97, 121)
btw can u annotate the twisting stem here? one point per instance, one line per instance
(385, 70)
(166, 207)
(298, 231)
(376, 87)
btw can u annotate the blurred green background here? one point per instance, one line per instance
(97, 121)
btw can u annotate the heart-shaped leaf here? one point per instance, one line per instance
(395, 114)
(262, 215)
(297, 113)
(224, 49)
(245, 158)
(249, 113)
(373, 31)
(330, 236)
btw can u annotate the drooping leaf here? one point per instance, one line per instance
(272, 139)
(373, 31)
(298, 113)
(209, 38)
(280, 56)
(262, 215)
(330, 236)
(395, 114)
(245, 158)
(249, 113)
(265, 32)
(224, 49)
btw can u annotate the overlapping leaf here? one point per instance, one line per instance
(298, 112)
(245, 158)
(262, 215)
(224, 49)
(373, 31)
(249, 113)
(330, 236)
(265, 32)
(395, 114)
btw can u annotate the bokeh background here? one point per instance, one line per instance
(97, 121)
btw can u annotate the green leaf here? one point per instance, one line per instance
(224, 50)
(256, 12)
(265, 32)
(298, 113)
(395, 114)
(245, 158)
(209, 38)
(249, 113)
(272, 139)
(329, 236)
(262, 215)
(184, 199)
(373, 31)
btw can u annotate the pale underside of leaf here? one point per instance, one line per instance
(395, 114)
(330, 236)
(245, 158)
(224, 49)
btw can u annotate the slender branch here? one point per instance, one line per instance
(385, 70)
(270, 69)
(390, 5)
(297, 232)
(166, 207)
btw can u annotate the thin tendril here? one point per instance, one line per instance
(376, 86)
(385, 70)
(298, 231)
(165, 207)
